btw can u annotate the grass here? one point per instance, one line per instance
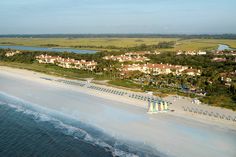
(220, 101)
(125, 83)
(69, 73)
(49, 69)
(231, 43)
(84, 42)
(194, 45)
(202, 44)
(107, 43)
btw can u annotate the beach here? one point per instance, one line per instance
(179, 133)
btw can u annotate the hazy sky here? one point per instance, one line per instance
(117, 16)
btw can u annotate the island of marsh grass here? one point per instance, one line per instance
(201, 44)
(94, 43)
(119, 43)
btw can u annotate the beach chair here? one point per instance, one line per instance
(199, 111)
(210, 114)
(228, 117)
(216, 115)
(222, 116)
(234, 119)
(187, 108)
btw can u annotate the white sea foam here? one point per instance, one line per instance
(78, 133)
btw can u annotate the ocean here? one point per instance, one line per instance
(29, 132)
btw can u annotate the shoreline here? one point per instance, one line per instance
(178, 102)
(172, 133)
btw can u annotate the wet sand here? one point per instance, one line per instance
(175, 134)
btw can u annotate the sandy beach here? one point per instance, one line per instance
(179, 133)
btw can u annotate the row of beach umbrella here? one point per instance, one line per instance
(108, 90)
(143, 98)
(208, 113)
(71, 82)
(149, 99)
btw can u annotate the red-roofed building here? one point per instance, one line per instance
(67, 63)
(192, 72)
(12, 53)
(157, 69)
(127, 58)
(219, 59)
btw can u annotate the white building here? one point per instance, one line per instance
(67, 63)
(12, 53)
(157, 69)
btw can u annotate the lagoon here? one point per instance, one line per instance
(31, 48)
(223, 47)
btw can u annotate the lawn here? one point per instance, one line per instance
(125, 83)
(50, 69)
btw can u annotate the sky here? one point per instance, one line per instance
(117, 16)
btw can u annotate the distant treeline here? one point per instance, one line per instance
(144, 47)
(183, 36)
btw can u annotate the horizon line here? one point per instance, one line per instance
(121, 34)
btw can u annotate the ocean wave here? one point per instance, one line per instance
(78, 133)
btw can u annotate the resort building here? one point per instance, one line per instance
(216, 59)
(192, 53)
(132, 56)
(227, 53)
(140, 53)
(228, 78)
(157, 69)
(192, 72)
(67, 63)
(127, 58)
(12, 53)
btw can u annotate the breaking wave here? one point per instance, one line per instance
(73, 128)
